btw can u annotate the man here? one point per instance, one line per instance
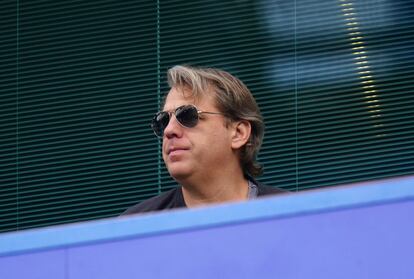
(211, 131)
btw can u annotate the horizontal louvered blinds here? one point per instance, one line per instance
(80, 81)
(8, 121)
(77, 112)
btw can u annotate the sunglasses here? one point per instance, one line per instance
(187, 116)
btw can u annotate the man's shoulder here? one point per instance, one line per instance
(264, 190)
(167, 200)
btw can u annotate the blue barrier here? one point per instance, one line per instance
(359, 231)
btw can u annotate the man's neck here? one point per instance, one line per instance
(215, 190)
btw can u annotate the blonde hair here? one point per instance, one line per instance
(233, 99)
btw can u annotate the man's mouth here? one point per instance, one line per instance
(176, 150)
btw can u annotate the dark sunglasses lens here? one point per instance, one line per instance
(187, 116)
(159, 122)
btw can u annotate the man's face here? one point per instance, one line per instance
(200, 151)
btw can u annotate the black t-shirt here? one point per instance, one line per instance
(174, 199)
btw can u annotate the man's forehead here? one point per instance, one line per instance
(183, 96)
(176, 98)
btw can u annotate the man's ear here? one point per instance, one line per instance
(241, 133)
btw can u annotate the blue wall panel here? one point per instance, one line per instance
(372, 242)
(364, 231)
(37, 265)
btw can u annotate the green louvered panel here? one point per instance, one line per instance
(367, 134)
(8, 114)
(87, 89)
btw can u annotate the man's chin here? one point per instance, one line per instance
(179, 174)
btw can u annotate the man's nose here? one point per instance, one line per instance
(173, 129)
